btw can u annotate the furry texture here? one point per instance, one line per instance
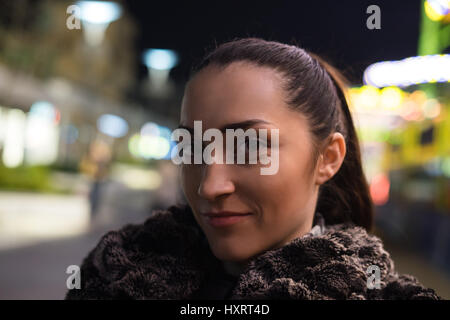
(168, 257)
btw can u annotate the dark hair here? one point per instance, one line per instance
(315, 89)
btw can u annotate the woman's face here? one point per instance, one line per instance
(280, 206)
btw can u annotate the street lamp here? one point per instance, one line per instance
(159, 62)
(95, 18)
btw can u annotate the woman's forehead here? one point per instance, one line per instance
(237, 92)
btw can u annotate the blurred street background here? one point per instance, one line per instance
(90, 92)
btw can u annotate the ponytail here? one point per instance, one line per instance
(346, 195)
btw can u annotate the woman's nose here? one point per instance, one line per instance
(215, 181)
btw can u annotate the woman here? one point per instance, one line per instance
(300, 233)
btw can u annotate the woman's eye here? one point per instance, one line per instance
(243, 146)
(247, 147)
(255, 144)
(250, 149)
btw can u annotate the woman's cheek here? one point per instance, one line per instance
(189, 181)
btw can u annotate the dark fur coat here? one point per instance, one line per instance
(167, 257)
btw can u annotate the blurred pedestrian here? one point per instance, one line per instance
(96, 164)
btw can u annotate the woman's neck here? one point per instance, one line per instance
(234, 268)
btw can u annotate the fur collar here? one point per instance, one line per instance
(168, 257)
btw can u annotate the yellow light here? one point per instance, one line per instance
(431, 12)
(133, 145)
(368, 97)
(137, 178)
(353, 94)
(153, 147)
(391, 98)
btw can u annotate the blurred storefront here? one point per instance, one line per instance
(69, 128)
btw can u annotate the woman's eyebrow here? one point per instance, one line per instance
(235, 125)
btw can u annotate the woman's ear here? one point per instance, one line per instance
(331, 158)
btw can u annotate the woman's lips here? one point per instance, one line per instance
(223, 219)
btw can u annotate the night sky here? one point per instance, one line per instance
(334, 29)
